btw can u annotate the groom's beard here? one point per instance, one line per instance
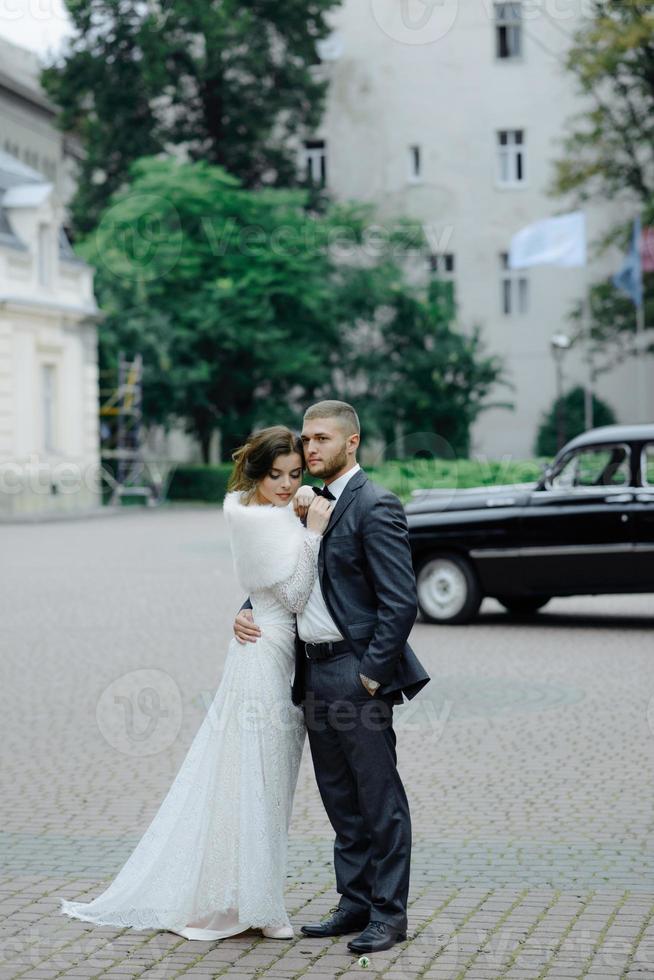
(329, 467)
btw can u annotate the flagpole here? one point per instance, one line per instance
(640, 336)
(641, 362)
(589, 387)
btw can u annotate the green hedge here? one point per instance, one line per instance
(209, 483)
(403, 476)
(198, 482)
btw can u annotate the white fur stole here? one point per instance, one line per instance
(265, 541)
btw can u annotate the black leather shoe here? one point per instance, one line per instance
(339, 923)
(375, 937)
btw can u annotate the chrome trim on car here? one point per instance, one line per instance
(563, 549)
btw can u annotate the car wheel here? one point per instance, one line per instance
(448, 591)
(524, 605)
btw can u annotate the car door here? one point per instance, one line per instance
(644, 519)
(578, 533)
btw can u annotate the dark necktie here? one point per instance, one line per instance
(324, 492)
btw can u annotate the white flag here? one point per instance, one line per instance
(555, 241)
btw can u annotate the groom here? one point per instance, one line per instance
(352, 665)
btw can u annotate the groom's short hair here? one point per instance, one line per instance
(332, 409)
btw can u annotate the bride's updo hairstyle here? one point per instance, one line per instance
(254, 460)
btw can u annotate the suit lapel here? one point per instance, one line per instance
(342, 504)
(345, 500)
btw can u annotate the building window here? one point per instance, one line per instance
(49, 395)
(511, 156)
(442, 264)
(44, 258)
(508, 30)
(66, 250)
(415, 163)
(49, 169)
(315, 162)
(31, 158)
(515, 288)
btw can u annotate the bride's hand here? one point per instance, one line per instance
(302, 501)
(318, 514)
(245, 629)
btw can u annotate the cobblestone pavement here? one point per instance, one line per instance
(527, 761)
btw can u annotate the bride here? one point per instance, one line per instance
(212, 863)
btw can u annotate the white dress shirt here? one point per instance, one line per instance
(314, 623)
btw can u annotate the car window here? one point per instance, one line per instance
(594, 467)
(648, 464)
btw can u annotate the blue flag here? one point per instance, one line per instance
(629, 279)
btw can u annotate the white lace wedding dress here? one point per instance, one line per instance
(212, 863)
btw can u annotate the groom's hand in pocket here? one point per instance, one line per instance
(245, 628)
(370, 685)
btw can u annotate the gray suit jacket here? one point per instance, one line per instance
(367, 580)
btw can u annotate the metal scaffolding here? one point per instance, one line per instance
(122, 437)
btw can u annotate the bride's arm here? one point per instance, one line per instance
(294, 591)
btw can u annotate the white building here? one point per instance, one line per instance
(27, 121)
(49, 441)
(451, 113)
(49, 391)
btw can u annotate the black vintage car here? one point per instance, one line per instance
(586, 528)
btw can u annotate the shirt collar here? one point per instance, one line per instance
(338, 486)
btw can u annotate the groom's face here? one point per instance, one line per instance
(327, 449)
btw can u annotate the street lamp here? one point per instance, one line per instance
(559, 343)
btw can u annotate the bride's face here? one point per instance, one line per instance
(279, 486)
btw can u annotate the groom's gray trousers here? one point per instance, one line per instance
(353, 748)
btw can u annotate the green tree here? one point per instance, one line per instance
(610, 147)
(613, 324)
(225, 82)
(236, 299)
(608, 151)
(246, 307)
(418, 374)
(573, 416)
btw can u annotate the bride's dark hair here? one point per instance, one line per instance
(254, 460)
